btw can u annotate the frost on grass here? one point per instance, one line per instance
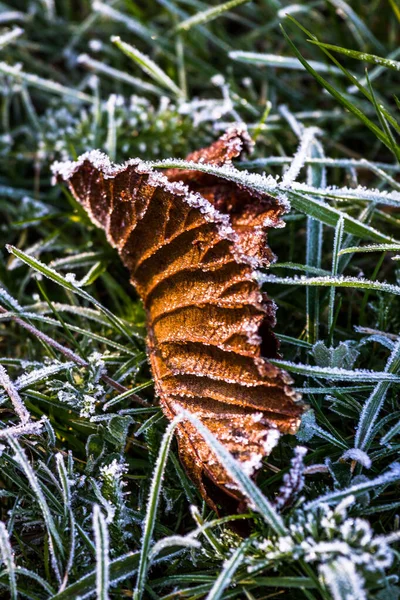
(323, 535)
(293, 481)
(112, 487)
(359, 456)
(83, 390)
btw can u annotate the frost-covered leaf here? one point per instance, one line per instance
(191, 243)
(118, 429)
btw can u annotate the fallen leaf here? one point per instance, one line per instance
(191, 243)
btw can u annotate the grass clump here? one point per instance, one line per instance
(94, 502)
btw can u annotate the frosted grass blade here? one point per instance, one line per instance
(52, 87)
(120, 568)
(102, 550)
(55, 540)
(372, 407)
(342, 578)
(118, 75)
(371, 248)
(335, 373)
(152, 506)
(147, 65)
(225, 577)
(340, 281)
(345, 163)
(392, 475)
(364, 56)
(316, 176)
(284, 62)
(257, 500)
(209, 14)
(69, 285)
(9, 36)
(7, 557)
(395, 430)
(335, 264)
(15, 398)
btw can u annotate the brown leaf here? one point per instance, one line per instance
(191, 250)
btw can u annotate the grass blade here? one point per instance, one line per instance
(119, 569)
(338, 96)
(9, 36)
(69, 285)
(282, 62)
(337, 374)
(371, 248)
(54, 536)
(390, 476)
(40, 83)
(102, 549)
(375, 402)
(151, 511)
(340, 281)
(335, 263)
(257, 500)
(148, 66)
(209, 14)
(364, 56)
(341, 577)
(7, 557)
(118, 75)
(224, 579)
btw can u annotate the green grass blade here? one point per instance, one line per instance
(364, 56)
(7, 557)
(120, 568)
(148, 66)
(316, 177)
(282, 62)
(118, 75)
(337, 242)
(373, 405)
(356, 25)
(338, 96)
(209, 14)
(336, 374)
(247, 486)
(151, 511)
(356, 84)
(10, 36)
(341, 282)
(102, 550)
(392, 475)
(224, 579)
(53, 275)
(52, 87)
(22, 460)
(370, 248)
(394, 146)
